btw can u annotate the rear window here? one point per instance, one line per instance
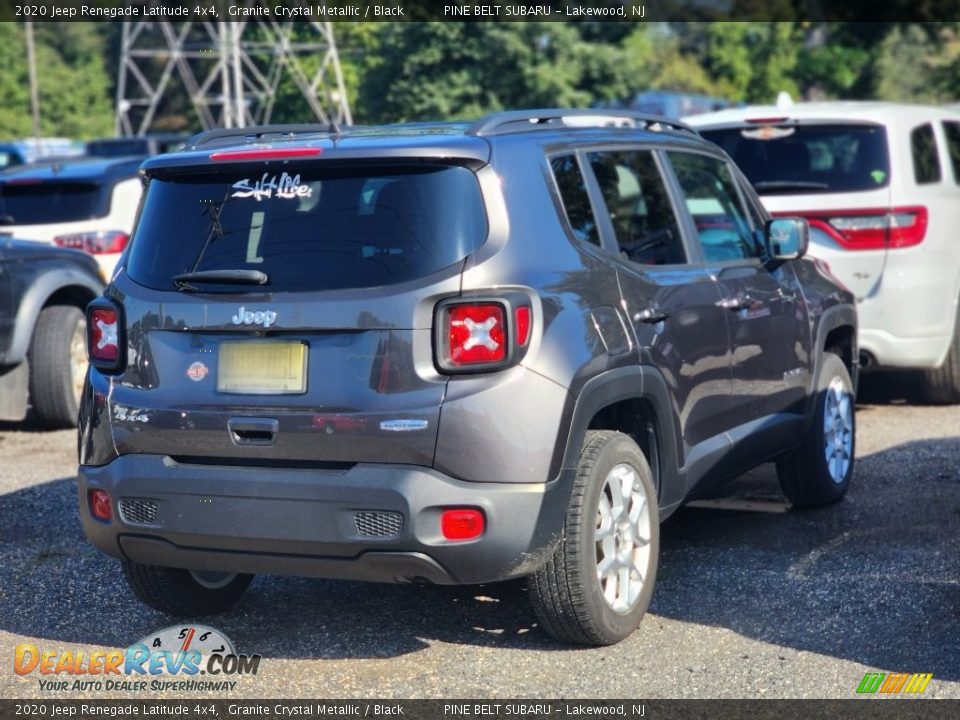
(48, 203)
(808, 159)
(309, 230)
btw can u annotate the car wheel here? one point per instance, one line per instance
(941, 386)
(185, 592)
(597, 586)
(819, 471)
(58, 365)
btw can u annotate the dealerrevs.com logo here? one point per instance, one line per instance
(894, 683)
(186, 658)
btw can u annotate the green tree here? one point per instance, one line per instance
(749, 62)
(463, 70)
(74, 86)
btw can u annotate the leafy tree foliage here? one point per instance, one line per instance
(427, 70)
(74, 86)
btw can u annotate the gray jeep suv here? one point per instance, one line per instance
(452, 353)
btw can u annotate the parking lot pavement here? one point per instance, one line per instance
(749, 603)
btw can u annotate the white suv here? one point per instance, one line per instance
(880, 185)
(86, 204)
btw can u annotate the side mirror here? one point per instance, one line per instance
(786, 238)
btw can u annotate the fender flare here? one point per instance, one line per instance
(638, 382)
(33, 301)
(844, 315)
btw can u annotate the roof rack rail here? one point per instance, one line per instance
(258, 133)
(549, 119)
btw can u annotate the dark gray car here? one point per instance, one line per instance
(452, 353)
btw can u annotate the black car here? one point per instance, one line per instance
(43, 360)
(452, 353)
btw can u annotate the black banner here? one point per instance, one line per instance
(874, 708)
(478, 11)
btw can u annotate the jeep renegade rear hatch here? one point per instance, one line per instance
(285, 314)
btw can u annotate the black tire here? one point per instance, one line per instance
(566, 593)
(179, 593)
(53, 394)
(806, 477)
(941, 386)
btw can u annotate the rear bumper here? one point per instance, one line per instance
(908, 322)
(294, 521)
(894, 351)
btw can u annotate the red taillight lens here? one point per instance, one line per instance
(477, 334)
(521, 318)
(873, 228)
(462, 524)
(95, 243)
(100, 506)
(104, 335)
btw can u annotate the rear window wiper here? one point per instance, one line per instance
(789, 185)
(222, 277)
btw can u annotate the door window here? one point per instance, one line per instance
(640, 211)
(711, 195)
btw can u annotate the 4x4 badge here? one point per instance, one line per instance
(249, 317)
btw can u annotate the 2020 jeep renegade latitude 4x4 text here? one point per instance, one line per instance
(452, 353)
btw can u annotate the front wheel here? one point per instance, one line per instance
(185, 592)
(819, 471)
(598, 584)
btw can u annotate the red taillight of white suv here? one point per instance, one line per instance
(871, 228)
(105, 345)
(100, 242)
(480, 335)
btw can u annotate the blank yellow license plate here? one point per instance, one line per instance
(262, 368)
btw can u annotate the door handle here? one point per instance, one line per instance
(735, 303)
(253, 431)
(651, 315)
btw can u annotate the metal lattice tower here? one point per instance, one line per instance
(230, 71)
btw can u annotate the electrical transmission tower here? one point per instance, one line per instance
(230, 72)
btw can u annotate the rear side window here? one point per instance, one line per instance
(710, 192)
(923, 147)
(951, 131)
(47, 203)
(808, 159)
(576, 201)
(639, 207)
(309, 230)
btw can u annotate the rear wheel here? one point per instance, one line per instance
(818, 473)
(941, 385)
(58, 365)
(185, 592)
(598, 584)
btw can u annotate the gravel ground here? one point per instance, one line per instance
(748, 603)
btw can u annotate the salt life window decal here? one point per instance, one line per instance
(283, 187)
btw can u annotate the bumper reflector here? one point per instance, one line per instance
(100, 506)
(462, 524)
